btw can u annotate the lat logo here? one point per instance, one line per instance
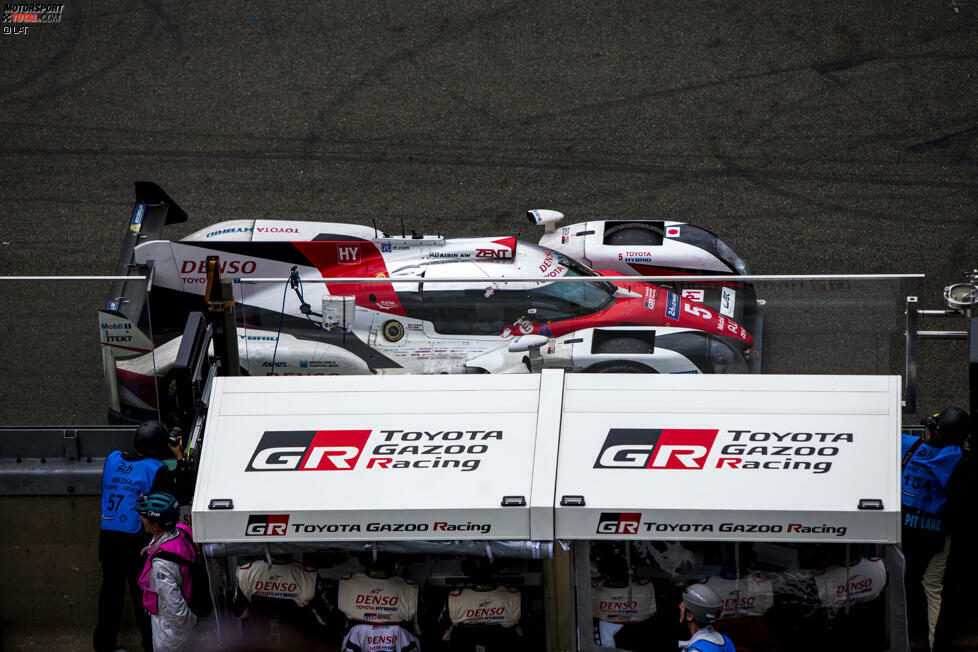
(727, 299)
(308, 450)
(348, 254)
(666, 448)
(619, 523)
(267, 525)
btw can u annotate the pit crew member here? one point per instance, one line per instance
(165, 583)
(379, 595)
(485, 615)
(619, 604)
(280, 592)
(125, 477)
(379, 638)
(699, 608)
(932, 495)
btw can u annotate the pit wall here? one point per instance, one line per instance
(49, 564)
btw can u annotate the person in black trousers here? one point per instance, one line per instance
(125, 477)
(937, 502)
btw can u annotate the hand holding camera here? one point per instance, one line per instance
(175, 442)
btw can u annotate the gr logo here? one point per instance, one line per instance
(619, 523)
(666, 448)
(308, 450)
(267, 525)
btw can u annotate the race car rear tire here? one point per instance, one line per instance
(620, 367)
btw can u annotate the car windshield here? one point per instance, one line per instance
(566, 300)
(488, 309)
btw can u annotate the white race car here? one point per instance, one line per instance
(640, 247)
(415, 320)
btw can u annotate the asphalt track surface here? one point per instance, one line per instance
(835, 137)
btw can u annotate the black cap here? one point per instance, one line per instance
(953, 424)
(150, 440)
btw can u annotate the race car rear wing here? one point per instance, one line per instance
(124, 323)
(153, 210)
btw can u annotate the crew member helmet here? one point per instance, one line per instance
(951, 423)
(151, 438)
(480, 569)
(160, 508)
(703, 603)
(614, 568)
(380, 565)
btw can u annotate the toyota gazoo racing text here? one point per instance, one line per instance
(413, 321)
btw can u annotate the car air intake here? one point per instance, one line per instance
(621, 341)
(645, 234)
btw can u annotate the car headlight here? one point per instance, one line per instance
(730, 257)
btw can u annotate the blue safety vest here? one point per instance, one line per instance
(924, 488)
(123, 482)
(706, 646)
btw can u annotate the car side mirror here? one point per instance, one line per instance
(622, 293)
(527, 343)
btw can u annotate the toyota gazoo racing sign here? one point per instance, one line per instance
(349, 463)
(696, 449)
(761, 483)
(372, 450)
(282, 525)
(623, 524)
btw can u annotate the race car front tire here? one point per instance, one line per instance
(620, 367)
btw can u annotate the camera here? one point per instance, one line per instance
(175, 433)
